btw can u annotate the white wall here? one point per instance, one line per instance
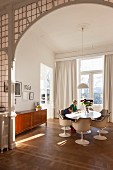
(29, 54)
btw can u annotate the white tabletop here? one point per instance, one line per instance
(83, 114)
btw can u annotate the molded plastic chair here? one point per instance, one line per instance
(65, 123)
(67, 127)
(103, 112)
(103, 131)
(100, 124)
(82, 125)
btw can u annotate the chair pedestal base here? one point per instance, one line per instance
(103, 131)
(66, 128)
(99, 137)
(82, 142)
(64, 135)
(89, 131)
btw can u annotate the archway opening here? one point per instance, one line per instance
(58, 36)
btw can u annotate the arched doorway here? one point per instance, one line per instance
(25, 14)
(63, 37)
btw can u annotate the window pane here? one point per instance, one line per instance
(91, 64)
(48, 96)
(48, 86)
(84, 94)
(48, 78)
(98, 88)
(42, 96)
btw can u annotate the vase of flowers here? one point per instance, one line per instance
(87, 103)
(38, 107)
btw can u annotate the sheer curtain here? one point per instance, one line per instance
(65, 84)
(108, 84)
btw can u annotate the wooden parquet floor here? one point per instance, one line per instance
(43, 149)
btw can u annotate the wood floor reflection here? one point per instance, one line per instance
(42, 149)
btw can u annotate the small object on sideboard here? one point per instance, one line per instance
(38, 107)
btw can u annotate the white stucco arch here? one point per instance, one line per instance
(11, 9)
(56, 7)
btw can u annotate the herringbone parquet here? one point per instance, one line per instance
(45, 150)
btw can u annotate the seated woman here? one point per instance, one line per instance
(67, 111)
(74, 106)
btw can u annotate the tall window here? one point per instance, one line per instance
(91, 73)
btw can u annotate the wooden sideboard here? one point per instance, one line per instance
(28, 119)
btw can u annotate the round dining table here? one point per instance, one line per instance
(83, 114)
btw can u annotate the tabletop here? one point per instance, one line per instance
(83, 114)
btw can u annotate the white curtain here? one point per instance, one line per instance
(108, 84)
(65, 84)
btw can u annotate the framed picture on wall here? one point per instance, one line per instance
(6, 86)
(31, 95)
(18, 89)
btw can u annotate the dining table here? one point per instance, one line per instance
(83, 114)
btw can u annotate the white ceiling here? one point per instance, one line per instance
(61, 31)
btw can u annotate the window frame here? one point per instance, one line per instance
(91, 80)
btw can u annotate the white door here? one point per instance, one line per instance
(46, 89)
